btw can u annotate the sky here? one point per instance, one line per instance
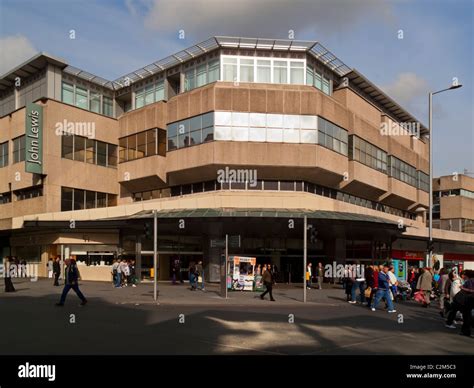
(406, 47)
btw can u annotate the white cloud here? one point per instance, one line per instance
(260, 18)
(407, 88)
(14, 50)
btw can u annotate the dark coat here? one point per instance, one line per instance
(267, 277)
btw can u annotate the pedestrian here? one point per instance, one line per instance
(133, 273)
(115, 274)
(124, 272)
(268, 282)
(370, 282)
(425, 284)
(8, 262)
(72, 277)
(320, 276)
(200, 276)
(463, 301)
(308, 276)
(393, 282)
(192, 275)
(56, 271)
(180, 272)
(412, 278)
(348, 283)
(358, 283)
(383, 290)
(50, 268)
(174, 270)
(443, 280)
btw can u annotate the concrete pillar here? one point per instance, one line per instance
(212, 255)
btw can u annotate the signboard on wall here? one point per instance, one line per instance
(34, 138)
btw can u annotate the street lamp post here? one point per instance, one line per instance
(430, 128)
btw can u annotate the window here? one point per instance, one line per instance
(4, 154)
(67, 93)
(229, 69)
(140, 99)
(111, 155)
(189, 82)
(142, 144)
(87, 150)
(81, 98)
(309, 76)
(107, 106)
(196, 130)
(280, 70)
(246, 70)
(159, 91)
(296, 72)
(79, 148)
(213, 71)
(264, 71)
(149, 94)
(101, 153)
(332, 136)
(201, 75)
(403, 171)
(424, 181)
(77, 199)
(5, 198)
(368, 154)
(19, 149)
(95, 103)
(316, 79)
(31, 192)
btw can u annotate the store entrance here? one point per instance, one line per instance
(165, 265)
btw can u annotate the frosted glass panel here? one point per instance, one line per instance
(291, 121)
(291, 136)
(310, 137)
(240, 119)
(222, 133)
(309, 122)
(223, 118)
(240, 134)
(274, 135)
(257, 134)
(258, 119)
(274, 121)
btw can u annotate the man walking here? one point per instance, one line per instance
(56, 271)
(383, 290)
(425, 284)
(71, 281)
(320, 275)
(308, 276)
(268, 281)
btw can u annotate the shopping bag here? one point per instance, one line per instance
(367, 292)
(419, 297)
(199, 279)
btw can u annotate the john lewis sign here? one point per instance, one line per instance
(34, 139)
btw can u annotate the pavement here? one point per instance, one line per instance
(184, 322)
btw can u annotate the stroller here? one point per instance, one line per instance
(404, 291)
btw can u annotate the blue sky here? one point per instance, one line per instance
(114, 37)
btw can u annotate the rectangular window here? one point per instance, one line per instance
(140, 99)
(90, 200)
(19, 149)
(79, 148)
(309, 76)
(81, 98)
(150, 142)
(111, 155)
(403, 171)
(95, 102)
(368, 154)
(229, 69)
(264, 71)
(101, 200)
(160, 91)
(280, 72)
(123, 154)
(101, 153)
(318, 82)
(141, 145)
(201, 75)
(326, 86)
(79, 199)
(189, 80)
(67, 93)
(67, 146)
(246, 70)
(332, 136)
(4, 154)
(161, 142)
(107, 108)
(90, 151)
(149, 94)
(296, 72)
(213, 72)
(424, 182)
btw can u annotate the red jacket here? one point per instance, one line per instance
(376, 279)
